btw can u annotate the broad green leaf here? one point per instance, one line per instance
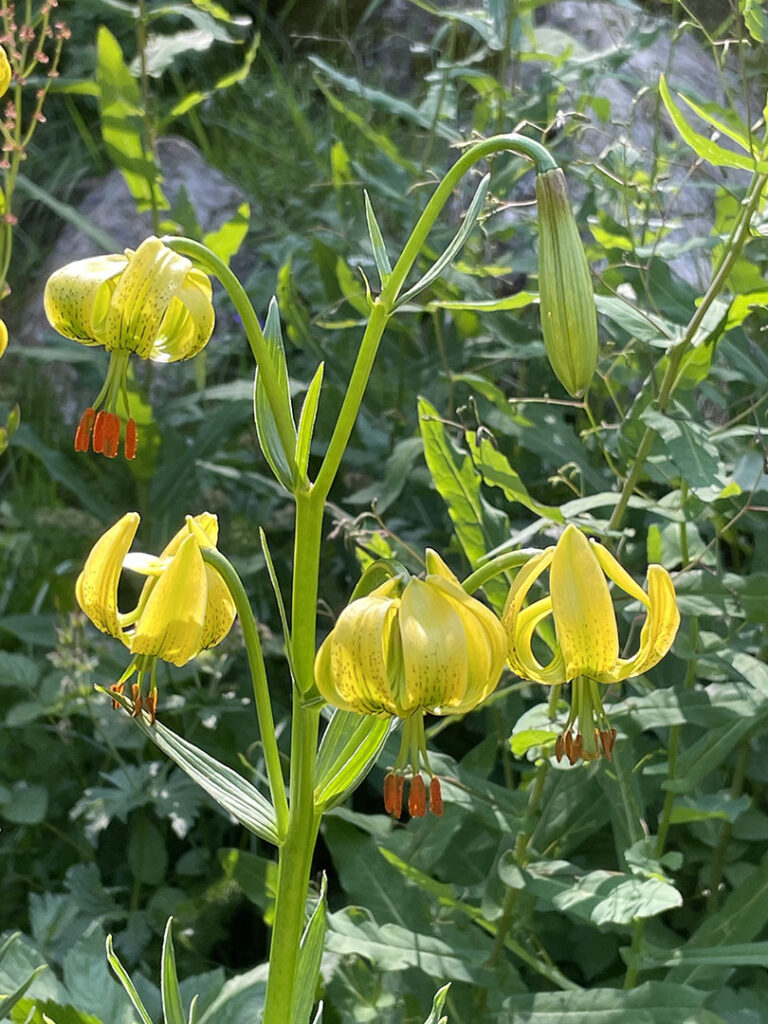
(383, 265)
(653, 1002)
(687, 444)
(307, 424)
(48, 1011)
(755, 18)
(122, 125)
(701, 145)
(283, 463)
(226, 240)
(349, 749)
(192, 99)
(125, 981)
(454, 246)
(728, 955)
(649, 327)
(146, 854)
(599, 897)
(497, 472)
(709, 805)
(437, 1007)
(479, 527)
(719, 123)
(24, 804)
(708, 753)
(173, 1011)
(310, 955)
(229, 789)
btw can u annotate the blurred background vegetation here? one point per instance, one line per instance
(303, 106)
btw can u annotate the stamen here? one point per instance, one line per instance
(393, 794)
(98, 432)
(151, 706)
(111, 435)
(435, 796)
(559, 748)
(130, 439)
(83, 435)
(417, 798)
(137, 700)
(116, 688)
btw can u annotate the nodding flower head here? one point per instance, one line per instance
(152, 303)
(410, 647)
(586, 651)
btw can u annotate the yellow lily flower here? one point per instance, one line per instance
(586, 652)
(184, 606)
(151, 302)
(407, 648)
(3, 338)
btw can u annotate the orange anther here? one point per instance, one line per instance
(111, 435)
(417, 798)
(84, 428)
(393, 794)
(130, 439)
(137, 701)
(150, 705)
(435, 796)
(116, 688)
(99, 430)
(559, 748)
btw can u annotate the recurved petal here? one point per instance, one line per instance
(219, 610)
(188, 323)
(77, 297)
(615, 571)
(153, 275)
(171, 623)
(351, 667)
(96, 587)
(521, 656)
(659, 630)
(585, 622)
(527, 575)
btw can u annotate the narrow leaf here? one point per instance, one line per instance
(173, 1011)
(497, 472)
(437, 1007)
(349, 749)
(307, 424)
(229, 789)
(310, 954)
(125, 981)
(281, 462)
(377, 242)
(454, 247)
(8, 1002)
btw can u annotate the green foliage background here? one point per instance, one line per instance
(100, 834)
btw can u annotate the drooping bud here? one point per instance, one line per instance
(567, 303)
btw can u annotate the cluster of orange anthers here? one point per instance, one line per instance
(394, 786)
(105, 428)
(148, 703)
(572, 746)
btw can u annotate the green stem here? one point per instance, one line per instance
(234, 584)
(496, 566)
(670, 379)
(211, 264)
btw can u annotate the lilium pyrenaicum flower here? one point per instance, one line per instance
(411, 647)
(184, 606)
(586, 652)
(151, 302)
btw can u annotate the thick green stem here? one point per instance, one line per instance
(496, 566)
(259, 678)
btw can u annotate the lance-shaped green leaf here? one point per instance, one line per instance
(229, 789)
(348, 751)
(122, 124)
(8, 1002)
(708, 150)
(496, 471)
(173, 1010)
(307, 425)
(383, 265)
(125, 980)
(310, 954)
(454, 247)
(437, 1007)
(282, 462)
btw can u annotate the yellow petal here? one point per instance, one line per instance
(152, 277)
(188, 323)
(521, 656)
(3, 338)
(219, 610)
(435, 651)
(581, 605)
(171, 624)
(659, 629)
(527, 575)
(615, 571)
(351, 668)
(486, 645)
(77, 297)
(96, 587)
(5, 72)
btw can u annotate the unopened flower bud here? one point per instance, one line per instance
(568, 318)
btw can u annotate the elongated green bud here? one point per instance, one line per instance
(568, 318)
